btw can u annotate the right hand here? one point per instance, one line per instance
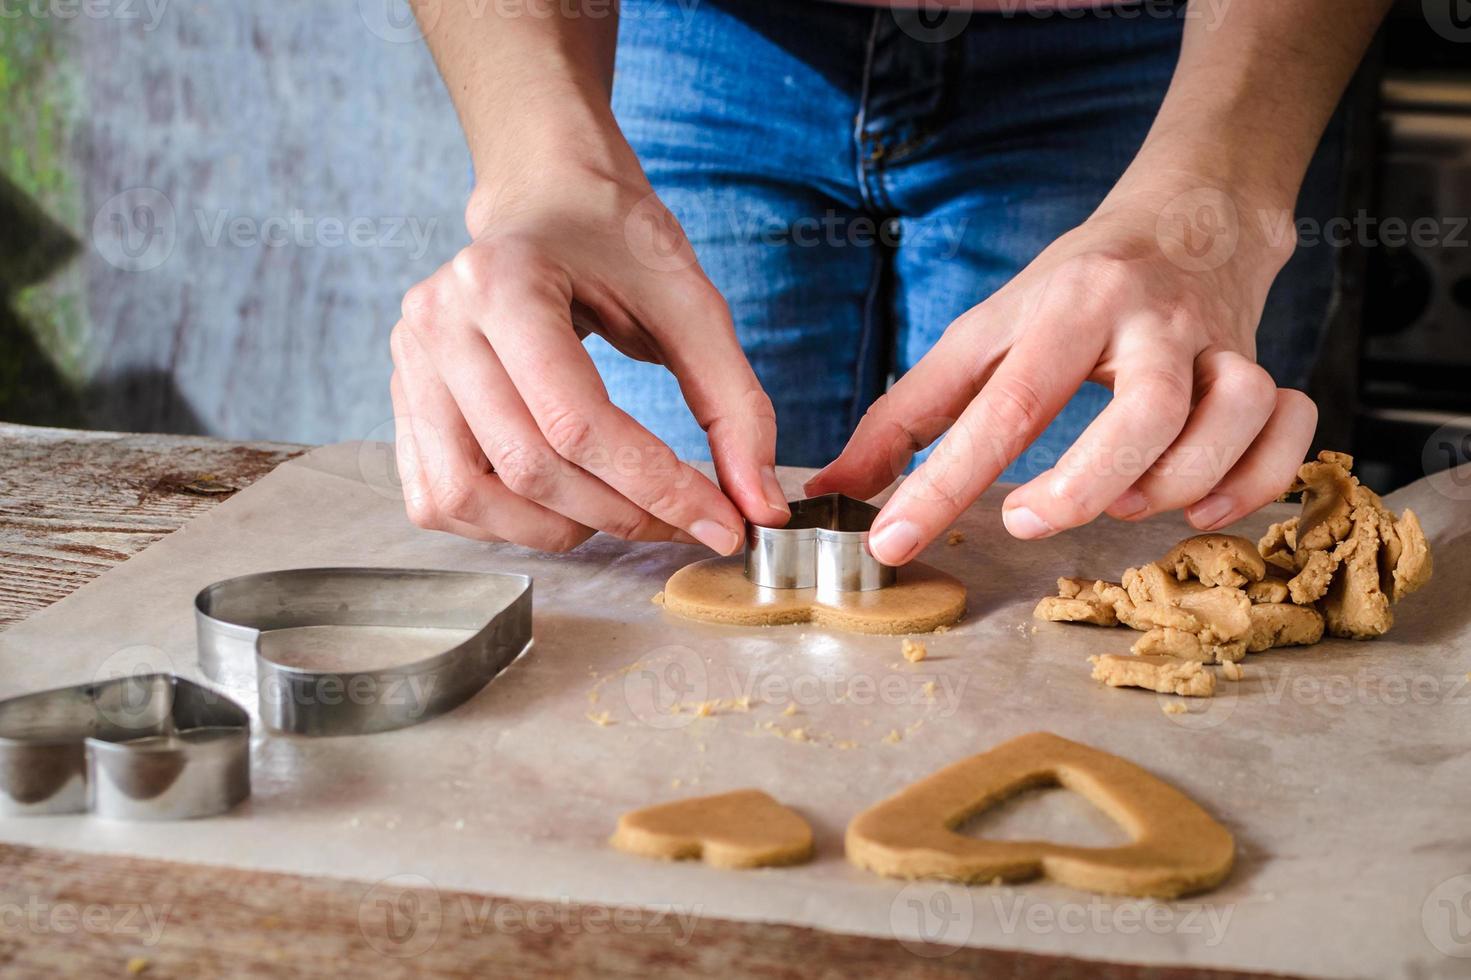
(505, 429)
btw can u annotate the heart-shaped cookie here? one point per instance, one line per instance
(232, 615)
(150, 747)
(716, 590)
(742, 829)
(1177, 847)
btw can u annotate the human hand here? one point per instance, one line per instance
(1131, 300)
(505, 430)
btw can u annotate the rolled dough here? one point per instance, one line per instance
(717, 591)
(742, 829)
(1177, 847)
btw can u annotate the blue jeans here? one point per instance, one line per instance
(852, 185)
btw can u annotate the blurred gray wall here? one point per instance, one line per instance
(210, 210)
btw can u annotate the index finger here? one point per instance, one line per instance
(1032, 384)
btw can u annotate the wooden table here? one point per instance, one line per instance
(72, 505)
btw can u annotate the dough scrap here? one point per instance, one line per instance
(1348, 554)
(1216, 559)
(716, 590)
(742, 829)
(1177, 847)
(1166, 641)
(1164, 674)
(1060, 609)
(1283, 624)
(913, 650)
(1269, 589)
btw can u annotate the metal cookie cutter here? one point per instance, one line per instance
(824, 546)
(232, 615)
(149, 747)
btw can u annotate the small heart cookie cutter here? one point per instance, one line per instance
(145, 747)
(233, 615)
(824, 546)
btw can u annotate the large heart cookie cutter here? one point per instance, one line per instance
(824, 546)
(148, 747)
(233, 615)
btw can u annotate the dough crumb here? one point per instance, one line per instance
(676, 783)
(658, 599)
(846, 743)
(592, 697)
(1173, 708)
(955, 537)
(790, 709)
(1231, 670)
(914, 650)
(894, 736)
(137, 965)
(602, 719)
(940, 629)
(928, 689)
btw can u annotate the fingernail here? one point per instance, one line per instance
(1210, 512)
(1131, 503)
(716, 536)
(894, 544)
(1022, 523)
(776, 497)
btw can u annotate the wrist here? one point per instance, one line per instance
(548, 153)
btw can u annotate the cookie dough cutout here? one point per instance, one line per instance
(716, 590)
(1177, 847)
(742, 829)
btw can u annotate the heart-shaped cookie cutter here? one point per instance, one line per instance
(824, 546)
(145, 747)
(233, 615)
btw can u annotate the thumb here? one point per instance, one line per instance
(699, 346)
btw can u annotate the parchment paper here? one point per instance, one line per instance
(1344, 769)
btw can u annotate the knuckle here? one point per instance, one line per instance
(1015, 405)
(569, 433)
(634, 525)
(456, 502)
(524, 471)
(1098, 274)
(1250, 384)
(398, 344)
(563, 539)
(1162, 395)
(421, 512)
(424, 304)
(665, 501)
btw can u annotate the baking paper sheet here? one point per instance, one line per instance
(1343, 769)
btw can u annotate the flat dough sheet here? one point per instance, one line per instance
(1344, 770)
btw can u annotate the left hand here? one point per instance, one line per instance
(1131, 301)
